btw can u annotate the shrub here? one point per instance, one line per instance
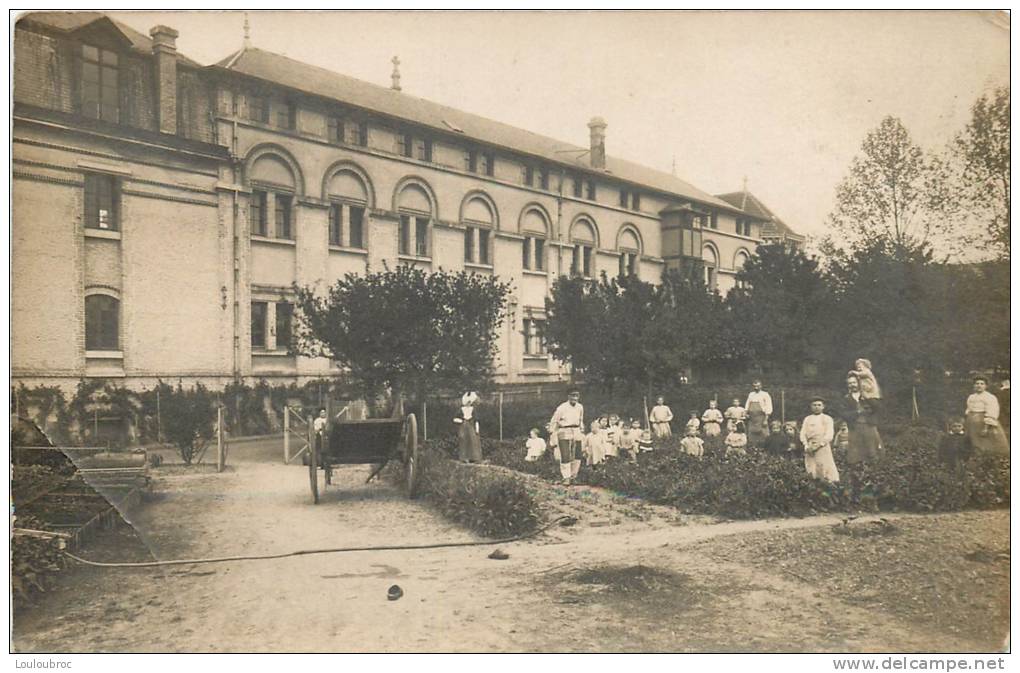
(489, 502)
(909, 477)
(34, 562)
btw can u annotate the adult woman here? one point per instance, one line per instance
(982, 422)
(469, 445)
(861, 416)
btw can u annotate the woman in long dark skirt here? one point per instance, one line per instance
(469, 443)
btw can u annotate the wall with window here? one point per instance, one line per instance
(93, 218)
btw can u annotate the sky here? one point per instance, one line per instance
(783, 99)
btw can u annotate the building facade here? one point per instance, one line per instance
(163, 210)
(773, 229)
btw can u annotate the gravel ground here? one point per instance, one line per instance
(947, 573)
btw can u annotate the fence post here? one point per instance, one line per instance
(159, 420)
(286, 434)
(220, 455)
(782, 404)
(501, 416)
(310, 435)
(424, 420)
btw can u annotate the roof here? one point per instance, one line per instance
(285, 71)
(752, 205)
(69, 22)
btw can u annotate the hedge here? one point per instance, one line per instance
(489, 502)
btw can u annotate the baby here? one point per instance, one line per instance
(535, 446)
(869, 384)
(692, 444)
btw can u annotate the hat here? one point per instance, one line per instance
(818, 399)
(394, 593)
(469, 398)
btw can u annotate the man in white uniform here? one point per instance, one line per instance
(567, 424)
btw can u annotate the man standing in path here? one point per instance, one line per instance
(567, 424)
(759, 409)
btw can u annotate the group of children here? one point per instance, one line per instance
(610, 437)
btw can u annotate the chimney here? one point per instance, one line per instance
(396, 73)
(164, 48)
(598, 142)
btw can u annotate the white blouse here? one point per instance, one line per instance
(984, 402)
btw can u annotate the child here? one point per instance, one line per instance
(842, 439)
(660, 417)
(596, 447)
(736, 441)
(553, 443)
(627, 441)
(816, 433)
(712, 418)
(734, 415)
(692, 444)
(693, 422)
(869, 384)
(644, 439)
(790, 435)
(535, 446)
(955, 448)
(611, 437)
(776, 442)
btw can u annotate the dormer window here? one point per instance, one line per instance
(99, 86)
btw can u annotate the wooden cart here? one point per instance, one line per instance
(374, 441)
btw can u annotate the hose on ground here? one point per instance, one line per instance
(563, 520)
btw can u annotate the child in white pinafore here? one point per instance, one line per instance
(535, 446)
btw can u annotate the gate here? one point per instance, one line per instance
(295, 429)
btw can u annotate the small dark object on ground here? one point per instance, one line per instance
(568, 521)
(394, 593)
(864, 529)
(499, 555)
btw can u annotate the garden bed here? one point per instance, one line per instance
(908, 477)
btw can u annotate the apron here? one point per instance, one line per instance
(757, 425)
(994, 440)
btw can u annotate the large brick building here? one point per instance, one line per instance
(163, 209)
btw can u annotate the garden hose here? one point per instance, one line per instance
(563, 520)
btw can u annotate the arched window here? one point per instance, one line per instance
(629, 246)
(584, 239)
(739, 260)
(478, 219)
(102, 323)
(348, 199)
(414, 204)
(272, 197)
(535, 228)
(711, 264)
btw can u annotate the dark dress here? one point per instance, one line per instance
(776, 444)
(861, 418)
(469, 445)
(954, 449)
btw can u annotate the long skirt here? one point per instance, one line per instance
(820, 464)
(712, 429)
(470, 445)
(994, 439)
(865, 443)
(661, 430)
(757, 426)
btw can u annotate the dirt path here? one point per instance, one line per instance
(627, 577)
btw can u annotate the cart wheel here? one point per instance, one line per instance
(411, 465)
(313, 467)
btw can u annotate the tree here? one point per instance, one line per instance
(782, 300)
(188, 418)
(405, 329)
(626, 331)
(981, 153)
(889, 193)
